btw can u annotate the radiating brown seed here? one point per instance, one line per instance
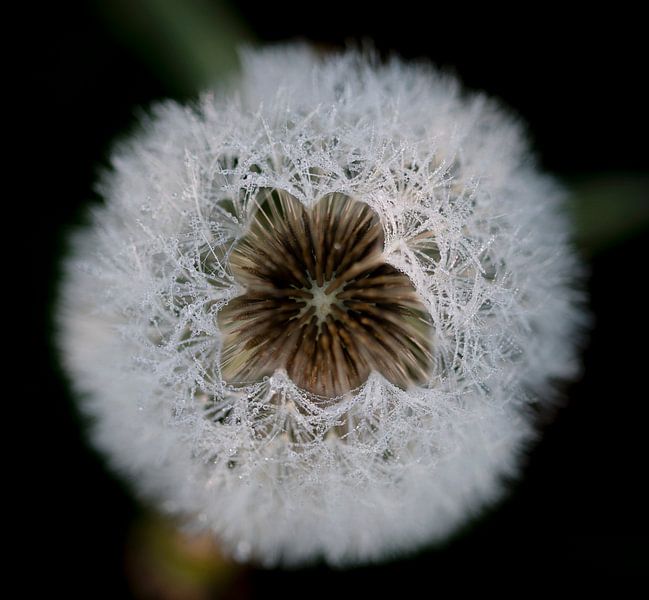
(320, 301)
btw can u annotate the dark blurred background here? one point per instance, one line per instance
(578, 79)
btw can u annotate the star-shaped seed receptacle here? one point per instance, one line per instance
(320, 301)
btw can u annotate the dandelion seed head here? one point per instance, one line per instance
(314, 310)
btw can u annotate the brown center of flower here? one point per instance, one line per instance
(320, 301)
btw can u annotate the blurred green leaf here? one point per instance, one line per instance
(189, 44)
(164, 562)
(609, 208)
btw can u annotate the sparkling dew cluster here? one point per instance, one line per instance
(314, 310)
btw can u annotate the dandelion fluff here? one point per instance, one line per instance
(313, 312)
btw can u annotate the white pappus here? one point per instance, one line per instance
(314, 310)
